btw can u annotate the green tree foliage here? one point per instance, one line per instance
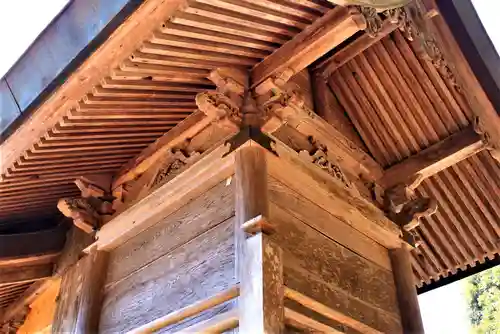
(483, 296)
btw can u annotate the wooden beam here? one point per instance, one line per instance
(448, 152)
(309, 325)
(453, 34)
(313, 42)
(25, 274)
(206, 173)
(149, 16)
(411, 320)
(29, 260)
(258, 261)
(188, 311)
(76, 241)
(80, 297)
(341, 57)
(329, 312)
(327, 106)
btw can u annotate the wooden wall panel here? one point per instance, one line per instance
(195, 218)
(187, 257)
(321, 268)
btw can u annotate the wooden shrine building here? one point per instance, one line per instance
(252, 166)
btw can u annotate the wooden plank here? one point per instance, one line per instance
(314, 41)
(309, 180)
(194, 181)
(188, 311)
(411, 319)
(220, 323)
(303, 322)
(446, 153)
(80, 298)
(162, 285)
(29, 260)
(25, 274)
(261, 301)
(108, 56)
(201, 214)
(350, 51)
(306, 248)
(329, 312)
(324, 222)
(327, 106)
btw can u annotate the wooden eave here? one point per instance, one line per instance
(132, 90)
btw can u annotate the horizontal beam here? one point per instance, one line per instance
(25, 274)
(31, 260)
(309, 45)
(350, 51)
(446, 153)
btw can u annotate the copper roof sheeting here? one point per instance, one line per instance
(150, 92)
(400, 104)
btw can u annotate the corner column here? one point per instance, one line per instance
(259, 262)
(411, 319)
(80, 297)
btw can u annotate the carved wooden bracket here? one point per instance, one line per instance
(479, 128)
(96, 201)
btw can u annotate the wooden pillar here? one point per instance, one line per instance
(411, 319)
(80, 297)
(258, 260)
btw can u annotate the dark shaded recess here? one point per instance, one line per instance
(34, 243)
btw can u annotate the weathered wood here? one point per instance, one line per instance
(107, 57)
(162, 286)
(331, 262)
(341, 57)
(327, 106)
(329, 312)
(411, 320)
(42, 311)
(251, 194)
(29, 260)
(25, 274)
(303, 322)
(261, 301)
(188, 311)
(80, 297)
(219, 323)
(198, 216)
(310, 181)
(435, 158)
(310, 44)
(326, 223)
(187, 129)
(194, 181)
(287, 108)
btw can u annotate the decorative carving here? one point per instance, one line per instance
(486, 139)
(373, 20)
(95, 202)
(378, 5)
(172, 167)
(219, 107)
(319, 157)
(405, 208)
